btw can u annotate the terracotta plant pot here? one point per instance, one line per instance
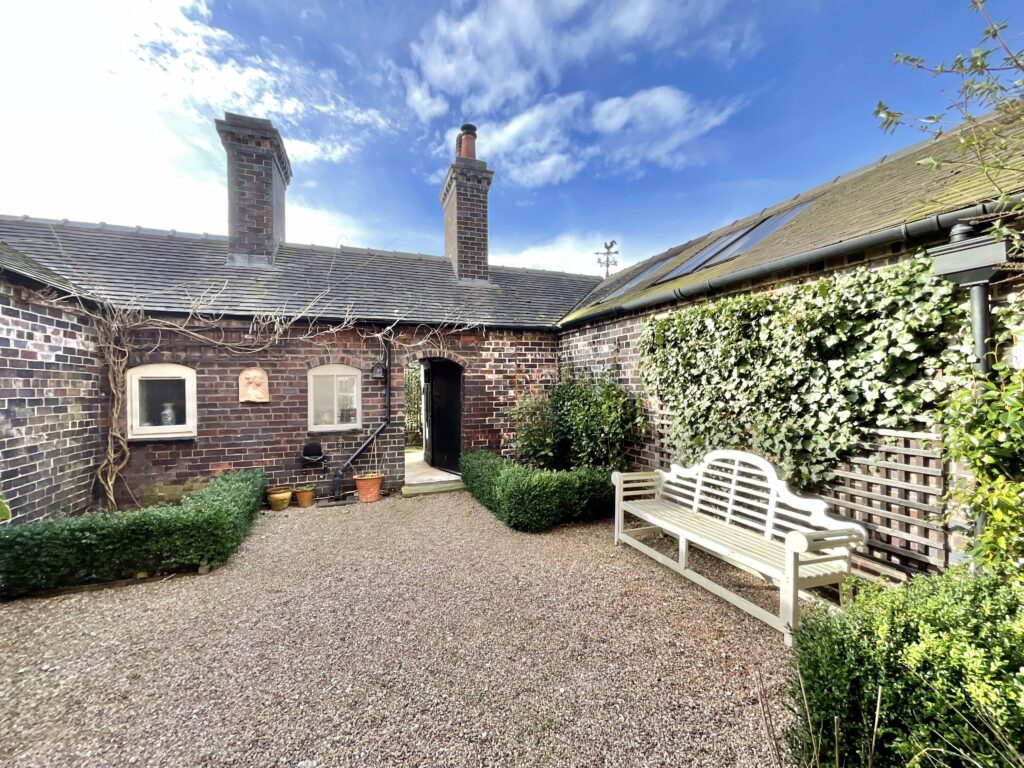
(368, 487)
(279, 498)
(304, 496)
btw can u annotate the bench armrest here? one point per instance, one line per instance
(815, 541)
(635, 480)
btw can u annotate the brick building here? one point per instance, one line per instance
(484, 333)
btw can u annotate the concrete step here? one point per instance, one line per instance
(424, 489)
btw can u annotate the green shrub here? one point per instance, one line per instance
(533, 422)
(595, 420)
(948, 654)
(530, 499)
(583, 422)
(204, 529)
(479, 469)
(413, 405)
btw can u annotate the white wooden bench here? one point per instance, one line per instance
(734, 506)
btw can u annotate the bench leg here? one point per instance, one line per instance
(789, 597)
(684, 552)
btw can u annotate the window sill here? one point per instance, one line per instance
(333, 430)
(143, 439)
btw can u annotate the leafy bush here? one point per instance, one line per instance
(595, 420)
(798, 374)
(532, 419)
(948, 654)
(413, 405)
(983, 428)
(530, 499)
(584, 422)
(204, 529)
(5, 509)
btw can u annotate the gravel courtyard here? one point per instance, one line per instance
(408, 632)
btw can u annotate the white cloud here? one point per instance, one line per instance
(554, 140)
(503, 53)
(420, 99)
(306, 224)
(535, 147)
(499, 58)
(568, 252)
(330, 151)
(114, 115)
(731, 43)
(654, 125)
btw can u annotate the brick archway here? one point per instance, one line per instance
(434, 354)
(335, 358)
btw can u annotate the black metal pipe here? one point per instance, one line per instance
(981, 328)
(336, 482)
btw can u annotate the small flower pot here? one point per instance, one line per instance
(279, 498)
(304, 497)
(368, 487)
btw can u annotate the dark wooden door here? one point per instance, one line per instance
(442, 395)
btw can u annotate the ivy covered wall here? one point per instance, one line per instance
(797, 375)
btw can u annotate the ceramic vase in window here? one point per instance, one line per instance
(167, 415)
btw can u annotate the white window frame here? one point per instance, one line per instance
(161, 371)
(335, 371)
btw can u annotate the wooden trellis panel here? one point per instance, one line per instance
(894, 488)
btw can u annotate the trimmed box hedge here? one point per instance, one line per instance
(947, 652)
(531, 499)
(205, 528)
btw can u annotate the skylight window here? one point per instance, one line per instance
(758, 233)
(733, 244)
(698, 259)
(644, 274)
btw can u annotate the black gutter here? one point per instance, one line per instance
(336, 481)
(900, 233)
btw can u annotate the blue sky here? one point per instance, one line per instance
(648, 121)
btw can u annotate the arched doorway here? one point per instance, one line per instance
(442, 413)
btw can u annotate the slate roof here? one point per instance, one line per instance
(894, 190)
(169, 271)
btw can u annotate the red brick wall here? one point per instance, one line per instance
(464, 200)
(258, 173)
(233, 435)
(52, 405)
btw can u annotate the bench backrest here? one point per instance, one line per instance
(743, 489)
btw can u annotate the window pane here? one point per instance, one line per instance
(323, 401)
(759, 233)
(697, 260)
(161, 402)
(346, 386)
(634, 281)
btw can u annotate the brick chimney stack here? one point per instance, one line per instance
(464, 201)
(258, 173)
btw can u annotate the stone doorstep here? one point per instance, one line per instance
(425, 489)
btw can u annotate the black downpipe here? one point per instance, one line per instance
(336, 482)
(981, 327)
